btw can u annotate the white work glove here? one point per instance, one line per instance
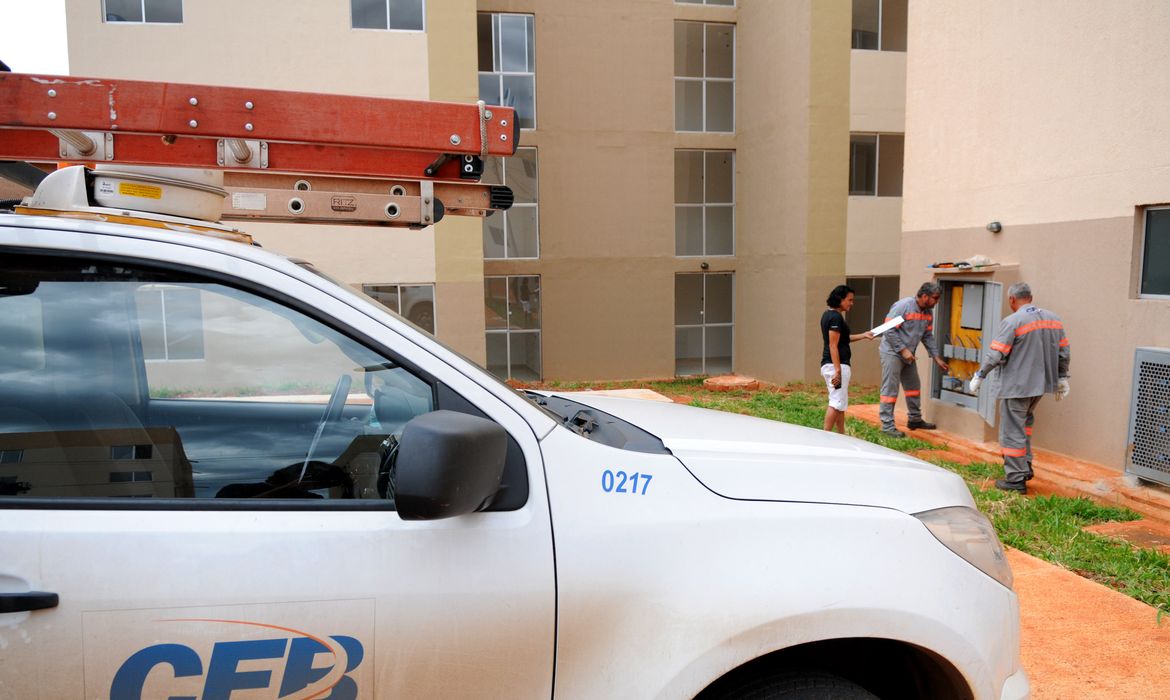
(1061, 389)
(975, 382)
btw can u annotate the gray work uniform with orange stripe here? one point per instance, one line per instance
(918, 327)
(1031, 354)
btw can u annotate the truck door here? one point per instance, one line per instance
(195, 496)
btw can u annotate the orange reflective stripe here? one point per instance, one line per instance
(930, 328)
(1064, 342)
(890, 318)
(1038, 325)
(1001, 347)
(1015, 451)
(912, 392)
(1027, 430)
(889, 399)
(917, 317)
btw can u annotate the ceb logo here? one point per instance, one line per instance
(222, 676)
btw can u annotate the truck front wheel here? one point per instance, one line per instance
(803, 685)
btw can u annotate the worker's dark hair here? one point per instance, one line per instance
(929, 289)
(838, 295)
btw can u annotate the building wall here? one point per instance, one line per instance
(877, 105)
(1061, 140)
(261, 43)
(606, 142)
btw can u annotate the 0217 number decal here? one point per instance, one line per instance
(621, 482)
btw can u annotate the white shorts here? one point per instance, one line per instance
(838, 398)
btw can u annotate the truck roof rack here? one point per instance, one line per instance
(286, 155)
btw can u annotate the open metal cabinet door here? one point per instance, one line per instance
(992, 315)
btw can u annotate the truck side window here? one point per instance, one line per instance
(117, 381)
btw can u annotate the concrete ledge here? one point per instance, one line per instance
(1055, 473)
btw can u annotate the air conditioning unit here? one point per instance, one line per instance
(1148, 447)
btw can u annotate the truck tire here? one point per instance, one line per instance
(803, 685)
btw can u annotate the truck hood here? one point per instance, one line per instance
(749, 458)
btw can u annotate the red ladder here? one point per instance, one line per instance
(405, 143)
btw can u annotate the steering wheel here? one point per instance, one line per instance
(332, 414)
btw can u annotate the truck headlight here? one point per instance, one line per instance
(968, 533)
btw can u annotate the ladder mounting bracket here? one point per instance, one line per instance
(242, 153)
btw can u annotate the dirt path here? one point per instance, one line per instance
(1083, 640)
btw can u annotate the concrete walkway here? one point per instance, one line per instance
(1080, 639)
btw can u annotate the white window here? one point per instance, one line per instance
(704, 77)
(408, 15)
(879, 25)
(512, 319)
(414, 302)
(704, 202)
(875, 164)
(507, 64)
(514, 233)
(160, 11)
(170, 322)
(704, 316)
(1155, 280)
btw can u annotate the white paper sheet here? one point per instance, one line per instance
(892, 323)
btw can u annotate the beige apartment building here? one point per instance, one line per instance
(693, 177)
(1037, 136)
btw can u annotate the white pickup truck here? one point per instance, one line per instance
(183, 515)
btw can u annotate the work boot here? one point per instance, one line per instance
(1018, 487)
(893, 432)
(920, 425)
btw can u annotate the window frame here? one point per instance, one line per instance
(162, 292)
(293, 302)
(876, 312)
(704, 80)
(388, 27)
(497, 61)
(877, 163)
(507, 331)
(704, 205)
(535, 205)
(704, 325)
(1141, 268)
(367, 288)
(142, 5)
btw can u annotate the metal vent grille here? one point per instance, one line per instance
(1149, 431)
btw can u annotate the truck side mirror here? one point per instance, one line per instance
(448, 464)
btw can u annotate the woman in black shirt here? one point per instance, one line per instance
(835, 358)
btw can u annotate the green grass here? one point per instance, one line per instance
(1047, 527)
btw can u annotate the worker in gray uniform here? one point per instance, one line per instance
(1031, 354)
(897, 356)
